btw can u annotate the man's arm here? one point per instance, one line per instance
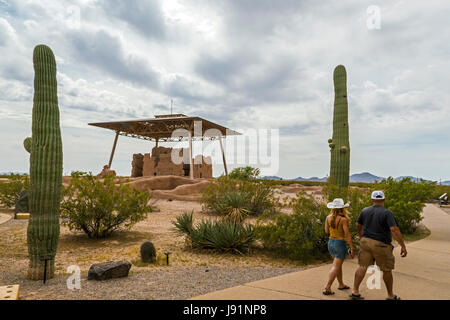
(360, 229)
(398, 236)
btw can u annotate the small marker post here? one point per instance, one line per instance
(167, 257)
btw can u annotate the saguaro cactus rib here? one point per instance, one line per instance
(45, 167)
(339, 144)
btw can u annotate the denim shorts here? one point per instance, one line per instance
(337, 248)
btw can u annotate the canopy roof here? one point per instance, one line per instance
(162, 126)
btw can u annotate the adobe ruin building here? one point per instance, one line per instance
(162, 128)
(159, 163)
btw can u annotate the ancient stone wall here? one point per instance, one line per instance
(137, 165)
(160, 163)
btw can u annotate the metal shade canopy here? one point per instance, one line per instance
(161, 128)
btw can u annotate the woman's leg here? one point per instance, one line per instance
(340, 277)
(335, 269)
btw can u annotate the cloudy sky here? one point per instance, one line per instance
(241, 63)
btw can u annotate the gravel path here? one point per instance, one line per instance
(159, 283)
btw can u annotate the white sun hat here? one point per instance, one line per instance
(378, 195)
(337, 203)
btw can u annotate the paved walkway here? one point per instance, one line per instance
(4, 217)
(423, 274)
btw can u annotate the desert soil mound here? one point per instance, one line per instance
(187, 192)
(296, 188)
(172, 187)
(161, 182)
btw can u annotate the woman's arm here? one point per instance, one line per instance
(348, 236)
(326, 226)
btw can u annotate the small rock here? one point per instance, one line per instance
(109, 270)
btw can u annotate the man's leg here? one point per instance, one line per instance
(389, 282)
(359, 276)
(365, 259)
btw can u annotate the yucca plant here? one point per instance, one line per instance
(255, 197)
(183, 223)
(222, 234)
(234, 206)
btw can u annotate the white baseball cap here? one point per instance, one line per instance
(337, 203)
(378, 195)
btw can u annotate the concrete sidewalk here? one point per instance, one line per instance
(424, 274)
(4, 217)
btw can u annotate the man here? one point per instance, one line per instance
(376, 226)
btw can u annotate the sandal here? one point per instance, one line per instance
(344, 288)
(394, 298)
(327, 293)
(356, 297)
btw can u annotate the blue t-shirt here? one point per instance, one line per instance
(377, 222)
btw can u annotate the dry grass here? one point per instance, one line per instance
(76, 248)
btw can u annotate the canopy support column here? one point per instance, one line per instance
(191, 159)
(113, 149)
(223, 156)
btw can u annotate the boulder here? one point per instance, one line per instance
(109, 270)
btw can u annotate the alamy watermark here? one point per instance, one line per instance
(374, 280)
(74, 280)
(252, 147)
(373, 21)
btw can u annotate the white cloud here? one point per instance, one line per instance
(261, 64)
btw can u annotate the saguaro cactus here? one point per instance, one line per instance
(45, 167)
(339, 144)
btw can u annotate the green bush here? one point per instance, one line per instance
(299, 235)
(255, 198)
(9, 191)
(222, 235)
(244, 173)
(234, 206)
(406, 200)
(440, 190)
(101, 207)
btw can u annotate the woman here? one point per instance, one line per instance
(336, 224)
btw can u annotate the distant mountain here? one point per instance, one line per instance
(415, 179)
(8, 173)
(271, 178)
(310, 179)
(364, 177)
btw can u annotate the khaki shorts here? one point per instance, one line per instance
(376, 251)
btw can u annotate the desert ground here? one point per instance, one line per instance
(190, 272)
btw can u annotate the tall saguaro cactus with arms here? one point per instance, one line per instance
(45, 167)
(339, 144)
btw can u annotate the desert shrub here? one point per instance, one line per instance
(10, 191)
(101, 207)
(220, 234)
(255, 197)
(299, 235)
(358, 200)
(234, 206)
(406, 200)
(440, 190)
(244, 173)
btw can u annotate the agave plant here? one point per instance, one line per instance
(183, 223)
(222, 234)
(234, 206)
